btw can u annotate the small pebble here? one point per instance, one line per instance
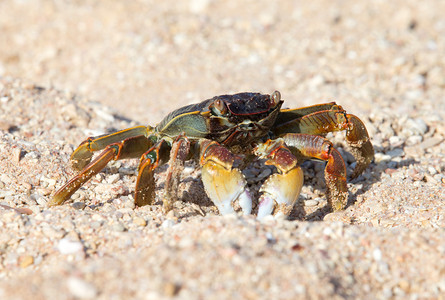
(113, 178)
(26, 260)
(127, 171)
(168, 223)
(41, 200)
(395, 141)
(377, 254)
(16, 155)
(67, 246)
(413, 140)
(78, 205)
(432, 170)
(44, 191)
(380, 157)
(171, 289)
(311, 202)
(140, 221)
(79, 288)
(397, 152)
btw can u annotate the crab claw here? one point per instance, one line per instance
(224, 187)
(224, 184)
(280, 191)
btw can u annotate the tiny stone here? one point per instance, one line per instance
(432, 170)
(140, 221)
(5, 178)
(79, 288)
(311, 202)
(397, 152)
(328, 231)
(16, 155)
(78, 205)
(113, 178)
(127, 171)
(377, 254)
(26, 260)
(170, 289)
(67, 246)
(414, 140)
(41, 200)
(380, 157)
(168, 223)
(44, 191)
(188, 171)
(395, 141)
(128, 202)
(430, 179)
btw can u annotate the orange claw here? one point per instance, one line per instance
(312, 146)
(224, 184)
(280, 191)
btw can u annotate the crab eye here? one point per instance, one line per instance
(218, 107)
(275, 98)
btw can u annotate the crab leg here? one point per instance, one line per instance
(83, 154)
(335, 119)
(178, 154)
(361, 147)
(223, 183)
(150, 160)
(281, 190)
(313, 146)
(128, 148)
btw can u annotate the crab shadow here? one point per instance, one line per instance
(193, 191)
(371, 176)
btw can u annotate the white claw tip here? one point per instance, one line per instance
(266, 206)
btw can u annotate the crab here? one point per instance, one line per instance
(223, 132)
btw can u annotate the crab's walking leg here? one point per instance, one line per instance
(313, 146)
(150, 160)
(281, 190)
(223, 182)
(178, 154)
(128, 148)
(361, 147)
(325, 121)
(83, 154)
